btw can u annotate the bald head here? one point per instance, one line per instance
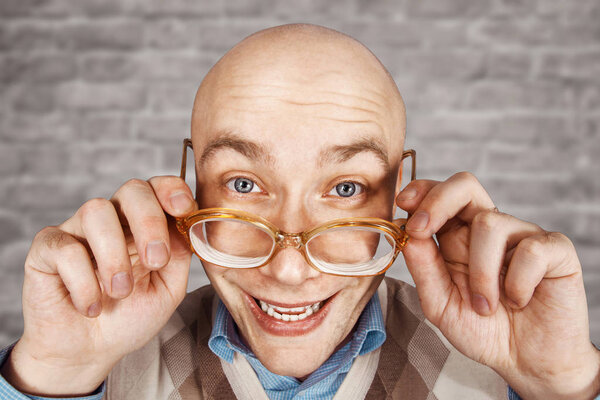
(306, 65)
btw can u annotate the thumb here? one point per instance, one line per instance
(428, 269)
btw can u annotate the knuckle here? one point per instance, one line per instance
(152, 222)
(169, 179)
(560, 239)
(532, 247)
(93, 206)
(149, 226)
(466, 176)
(53, 238)
(72, 250)
(487, 221)
(135, 183)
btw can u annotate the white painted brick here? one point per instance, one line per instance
(450, 8)
(100, 35)
(163, 129)
(109, 67)
(495, 95)
(32, 98)
(38, 68)
(94, 96)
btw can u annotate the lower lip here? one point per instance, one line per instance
(292, 328)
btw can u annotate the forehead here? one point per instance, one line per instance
(288, 117)
(299, 100)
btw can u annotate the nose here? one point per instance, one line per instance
(289, 267)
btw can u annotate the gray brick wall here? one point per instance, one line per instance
(95, 92)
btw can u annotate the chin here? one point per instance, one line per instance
(295, 362)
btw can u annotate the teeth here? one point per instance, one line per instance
(289, 314)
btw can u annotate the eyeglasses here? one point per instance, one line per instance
(347, 247)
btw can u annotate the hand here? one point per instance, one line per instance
(99, 286)
(503, 291)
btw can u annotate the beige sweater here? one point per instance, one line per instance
(415, 362)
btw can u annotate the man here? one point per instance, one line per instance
(294, 127)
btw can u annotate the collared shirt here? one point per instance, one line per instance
(322, 383)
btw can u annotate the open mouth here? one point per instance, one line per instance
(289, 319)
(289, 313)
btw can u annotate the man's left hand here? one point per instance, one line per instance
(504, 292)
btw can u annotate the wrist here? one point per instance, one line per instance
(51, 377)
(583, 383)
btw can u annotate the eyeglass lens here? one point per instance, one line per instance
(341, 250)
(231, 243)
(351, 250)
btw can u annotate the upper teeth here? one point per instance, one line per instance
(283, 313)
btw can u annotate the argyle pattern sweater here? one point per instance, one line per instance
(415, 362)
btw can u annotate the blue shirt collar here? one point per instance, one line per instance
(370, 334)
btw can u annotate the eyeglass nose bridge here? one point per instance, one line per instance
(293, 240)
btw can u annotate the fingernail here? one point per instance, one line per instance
(94, 310)
(121, 284)
(418, 222)
(156, 254)
(181, 201)
(480, 304)
(407, 194)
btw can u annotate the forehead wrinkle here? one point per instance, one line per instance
(329, 103)
(342, 153)
(229, 140)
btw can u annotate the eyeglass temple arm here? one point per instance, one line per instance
(186, 143)
(413, 156)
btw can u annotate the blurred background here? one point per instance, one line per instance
(95, 92)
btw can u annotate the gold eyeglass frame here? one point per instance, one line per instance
(299, 240)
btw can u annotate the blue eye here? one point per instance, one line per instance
(346, 189)
(242, 185)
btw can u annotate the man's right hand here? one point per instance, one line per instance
(99, 286)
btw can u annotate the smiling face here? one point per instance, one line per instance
(298, 125)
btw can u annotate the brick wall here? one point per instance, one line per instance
(95, 92)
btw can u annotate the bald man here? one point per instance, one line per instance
(298, 136)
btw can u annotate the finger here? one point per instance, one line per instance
(56, 252)
(544, 255)
(492, 234)
(136, 203)
(175, 274)
(460, 196)
(412, 195)
(432, 280)
(174, 196)
(98, 224)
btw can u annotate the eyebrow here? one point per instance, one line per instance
(342, 153)
(228, 140)
(256, 151)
